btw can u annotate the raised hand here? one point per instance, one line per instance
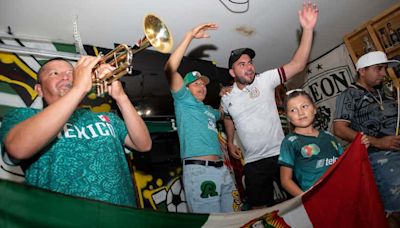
(83, 71)
(200, 31)
(115, 90)
(308, 15)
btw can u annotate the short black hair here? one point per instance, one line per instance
(48, 61)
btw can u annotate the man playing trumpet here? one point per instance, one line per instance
(74, 151)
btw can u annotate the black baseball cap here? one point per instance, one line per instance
(235, 55)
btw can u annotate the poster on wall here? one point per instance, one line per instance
(326, 78)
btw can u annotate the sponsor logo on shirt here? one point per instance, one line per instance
(211, 121)
(326, 162)
(309, 150)
(211, 125)
(209, 114)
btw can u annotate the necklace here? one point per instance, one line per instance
(380, 102)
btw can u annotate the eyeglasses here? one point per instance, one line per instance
(293, 90)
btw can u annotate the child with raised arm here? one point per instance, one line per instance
(209, 187)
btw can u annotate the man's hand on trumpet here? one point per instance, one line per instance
(83, 71)
(115, 90)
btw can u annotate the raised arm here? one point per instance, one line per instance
(30, 136)
(308, 16)
(171, 67)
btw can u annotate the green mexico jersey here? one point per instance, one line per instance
(86, 158)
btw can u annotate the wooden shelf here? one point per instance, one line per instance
(393, 51)
(374, 36)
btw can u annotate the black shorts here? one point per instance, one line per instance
(259, 178)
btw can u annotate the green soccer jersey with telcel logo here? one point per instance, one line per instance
(309, 156)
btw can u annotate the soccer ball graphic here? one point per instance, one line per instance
(176, 201)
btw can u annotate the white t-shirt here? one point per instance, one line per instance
(255, 115)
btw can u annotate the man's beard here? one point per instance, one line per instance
(245, 81)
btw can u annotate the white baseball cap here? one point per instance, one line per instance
(373, 58)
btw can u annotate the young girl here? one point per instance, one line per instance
(306, 153)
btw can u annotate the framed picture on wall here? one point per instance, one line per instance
(359, 43)
(380, 33)
(386, 29)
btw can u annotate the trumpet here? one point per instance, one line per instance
(156, 35)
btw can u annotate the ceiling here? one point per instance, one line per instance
(271, 28)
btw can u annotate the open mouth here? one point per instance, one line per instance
(249, 74)
(64, 87)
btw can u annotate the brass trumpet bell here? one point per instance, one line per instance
(156, 35)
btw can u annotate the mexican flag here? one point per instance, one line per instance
(346, 196)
